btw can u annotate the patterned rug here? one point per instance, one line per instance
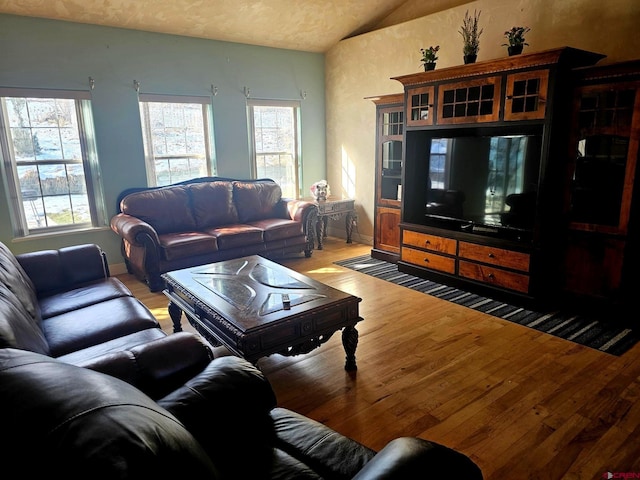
(600, 334)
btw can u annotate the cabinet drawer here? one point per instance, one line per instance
(429, 260)
(495, 256)
(429, 242)
(494, 276)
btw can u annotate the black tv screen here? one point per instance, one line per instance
(485, 184)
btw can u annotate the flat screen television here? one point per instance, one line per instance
(485, 184)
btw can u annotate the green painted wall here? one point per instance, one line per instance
(38, 53)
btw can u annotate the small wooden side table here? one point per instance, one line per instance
(334, 208)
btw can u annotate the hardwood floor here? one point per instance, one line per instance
(522, 404)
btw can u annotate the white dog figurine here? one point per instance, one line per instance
(320, 190)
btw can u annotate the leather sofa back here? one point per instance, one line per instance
(90, 425)
(213, 204)
(256, 200)
(167, 210)
(194, 206)
(20, 318)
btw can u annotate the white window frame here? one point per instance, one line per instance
(89, 161)
(295, 191)
(208, 155)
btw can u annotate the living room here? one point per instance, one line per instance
(338, 121)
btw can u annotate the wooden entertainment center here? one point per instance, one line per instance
(513, 177)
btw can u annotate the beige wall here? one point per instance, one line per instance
(361, 67)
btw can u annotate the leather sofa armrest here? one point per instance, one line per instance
(133, 230)
(65, 268)
(306, 213)
(408, 458)
(230, 395)
(298, 210)
(226, 408)
(157, 367)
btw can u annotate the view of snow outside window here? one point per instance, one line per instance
(275, 144)
(48, 157)
(178, 140)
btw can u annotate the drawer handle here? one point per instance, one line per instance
(491, 255)
(427, 242)
(426, 260)
(491, 276)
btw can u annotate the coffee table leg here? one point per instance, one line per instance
(350, 342)
(176, 314)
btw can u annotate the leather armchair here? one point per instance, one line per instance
(222, 423)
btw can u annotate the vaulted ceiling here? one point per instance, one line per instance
(307, 25)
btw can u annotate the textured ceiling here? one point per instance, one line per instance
(308, 25)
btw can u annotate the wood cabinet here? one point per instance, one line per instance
(472, 100)
(390, 121)
(484, 138)
(526, 97)
(484, 265)
(494, 266)
(600, 205)
(420, 102)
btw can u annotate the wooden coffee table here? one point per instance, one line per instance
(256, 307)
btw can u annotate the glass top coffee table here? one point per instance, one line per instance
(256, 307)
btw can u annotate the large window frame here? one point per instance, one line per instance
(283, 165)
(50, 161)
(178, 137)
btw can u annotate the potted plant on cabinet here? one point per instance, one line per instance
(429, 57)
(470, 36)
(515, 38)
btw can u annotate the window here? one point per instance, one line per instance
(275, 141)
(438, 163)
(178, 138)
(50, 161)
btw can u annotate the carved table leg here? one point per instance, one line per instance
(176, 314)
(350, 342)
(321, 230)
(350, 217)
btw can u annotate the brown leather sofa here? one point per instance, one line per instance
(223, 423)
(64, 304)
(207, 220)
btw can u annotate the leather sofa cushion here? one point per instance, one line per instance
(90, 425)
(94, 324)
(278, 229)
(213, 204)
(187, 244)
(236, 236)
(84, 296)
(84, 356)
(256, 200)
(166, 209)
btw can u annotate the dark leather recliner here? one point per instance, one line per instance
(76, 423)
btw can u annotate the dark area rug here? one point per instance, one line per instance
(605, 335)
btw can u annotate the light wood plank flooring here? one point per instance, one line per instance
(520, 403)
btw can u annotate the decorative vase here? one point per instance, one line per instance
(470, 59)
(514, 49)
(429, 66)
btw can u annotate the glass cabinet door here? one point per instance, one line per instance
(600, 187)
(391, 126)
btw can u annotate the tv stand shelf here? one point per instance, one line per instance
(481, 199)
(460, 257)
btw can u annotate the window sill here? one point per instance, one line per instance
(42, 236)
